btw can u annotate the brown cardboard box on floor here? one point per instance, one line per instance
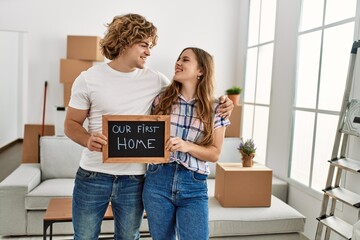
(30, 148)
(237, 186)
(233, 130)
(71, 68)
(84, 48)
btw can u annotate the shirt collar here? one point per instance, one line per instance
(190, 101)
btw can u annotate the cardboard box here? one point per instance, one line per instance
(84, 48)
(237, 186)
(233, 130)
(67, 93)
(71, 68)
(32, 134)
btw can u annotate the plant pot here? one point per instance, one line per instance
(247, 160)
(235, 98)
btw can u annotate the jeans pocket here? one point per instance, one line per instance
(199, 177)
(84, 174)
(153, 168)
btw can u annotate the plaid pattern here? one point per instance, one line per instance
(186, 125)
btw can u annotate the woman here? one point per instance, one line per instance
(175, 194)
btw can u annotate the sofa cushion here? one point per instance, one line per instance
(59, 157)
(279, 189)
(38, 199)
(278, 218)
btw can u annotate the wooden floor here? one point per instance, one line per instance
(67, 237)
(36, 238)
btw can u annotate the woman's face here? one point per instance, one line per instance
(187, 68)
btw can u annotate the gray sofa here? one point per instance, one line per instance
(24, 196)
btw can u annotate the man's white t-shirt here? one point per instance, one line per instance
(105, 91)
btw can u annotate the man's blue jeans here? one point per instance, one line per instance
(91, 196)
(176, 202)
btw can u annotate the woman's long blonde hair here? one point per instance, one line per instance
(204, 93)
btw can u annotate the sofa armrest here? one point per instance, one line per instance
(13, 190)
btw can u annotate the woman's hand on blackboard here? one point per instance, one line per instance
(96, 141)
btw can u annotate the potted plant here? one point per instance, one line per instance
(234, 94)
(247, 150)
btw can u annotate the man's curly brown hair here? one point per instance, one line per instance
(123, 32)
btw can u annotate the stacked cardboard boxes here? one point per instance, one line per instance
(81, 52)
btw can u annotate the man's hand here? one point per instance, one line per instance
(96, 141)
(226, 107)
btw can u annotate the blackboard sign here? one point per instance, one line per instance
(136, 138)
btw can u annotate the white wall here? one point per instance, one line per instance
(208, 24)
(12, 64)
(282, 94)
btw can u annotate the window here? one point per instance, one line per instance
(257, 85)
(324, 42)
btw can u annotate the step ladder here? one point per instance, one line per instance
(348, 125)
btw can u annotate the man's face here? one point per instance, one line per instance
(138, 53)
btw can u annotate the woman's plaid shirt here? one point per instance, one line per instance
(186, 125)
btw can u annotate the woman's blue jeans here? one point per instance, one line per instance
(92, 193)
(176, 202)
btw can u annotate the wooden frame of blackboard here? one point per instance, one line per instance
(164, 120)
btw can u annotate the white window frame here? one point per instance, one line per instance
(316, 110)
